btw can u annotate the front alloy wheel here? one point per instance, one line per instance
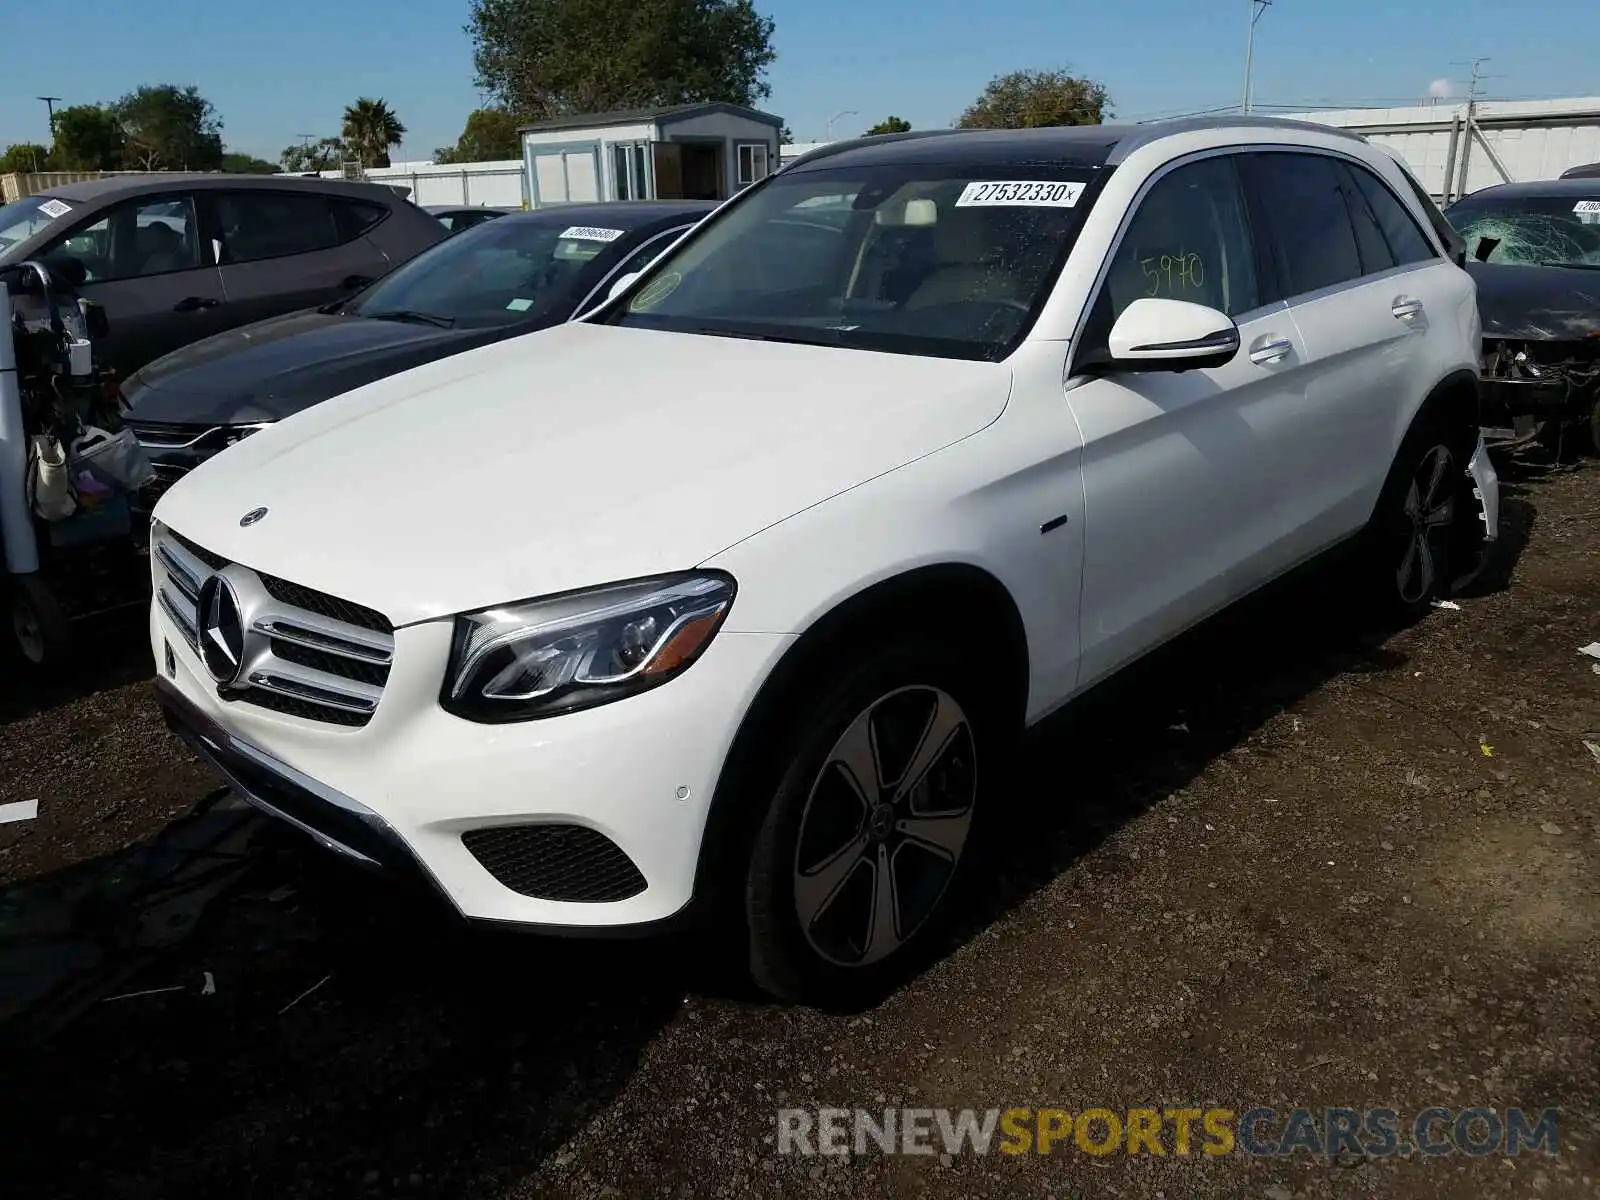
(884, 826)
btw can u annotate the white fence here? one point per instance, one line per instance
(502, 184)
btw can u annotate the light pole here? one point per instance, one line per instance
(828, 128)
(1257, 7)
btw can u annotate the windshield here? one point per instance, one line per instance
(497, 273)
(26, 217)
(1531, 230)
(952, 262)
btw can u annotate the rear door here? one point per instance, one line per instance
(150, 267)
(1360, 292)
(284, 250)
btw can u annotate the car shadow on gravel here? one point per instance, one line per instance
(321, 1032)
(110, 651)
(1136, 739)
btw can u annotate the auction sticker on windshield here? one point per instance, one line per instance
(1587, 206)
(1017, 193)
(54, 209)
(590, 233)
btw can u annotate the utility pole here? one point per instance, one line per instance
(827, 135)
(1469, 128)
(50, 103)
(1256, 9)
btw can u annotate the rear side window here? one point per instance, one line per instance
(257, 225)
(1370, 242)
(1308, 224)
(1407, 243)
(352, 218)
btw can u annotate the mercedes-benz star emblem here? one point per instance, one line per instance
(251, 517)
(221, 629)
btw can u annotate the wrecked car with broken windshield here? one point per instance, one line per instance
(1534, 251)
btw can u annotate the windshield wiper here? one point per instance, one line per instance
(1577, 266)
(412, 315)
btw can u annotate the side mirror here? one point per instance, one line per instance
(1171, 335)
(621, 284)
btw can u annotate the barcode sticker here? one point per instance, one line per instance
(1016, 193)
(55, 208)
(1587, 206)
(591, 233)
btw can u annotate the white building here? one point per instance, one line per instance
(686, 152)
(1515, 140)
(496, 184)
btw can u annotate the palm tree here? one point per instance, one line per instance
(370, 128)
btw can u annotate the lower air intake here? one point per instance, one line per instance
(556, 862)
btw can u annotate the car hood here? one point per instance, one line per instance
(268, 370)
(1537, 303)
(578, 456)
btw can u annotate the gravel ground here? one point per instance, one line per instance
(1289, 866)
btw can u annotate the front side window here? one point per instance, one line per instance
(139, 238)
(271, 224)
(1307, 220)
(496, 273)
(1188, 240)
(1550, 230)
(752, 164)
(914, 259)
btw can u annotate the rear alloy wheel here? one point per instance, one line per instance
(873, 827)
(1430, 513)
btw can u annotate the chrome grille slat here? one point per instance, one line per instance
(333, 637)
(306, 683)
(309, 664)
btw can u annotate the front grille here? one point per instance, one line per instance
(301, 652)
(329, 606)
(556, 862)
(175, 450)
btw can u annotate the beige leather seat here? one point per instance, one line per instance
(969, 251)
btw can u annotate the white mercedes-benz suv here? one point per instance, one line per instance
(730, 599)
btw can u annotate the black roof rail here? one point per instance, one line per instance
(1143, 135)
(829, 149)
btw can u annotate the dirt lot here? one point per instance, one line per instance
(1291, 865)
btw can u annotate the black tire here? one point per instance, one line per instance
(38, 632)
(905, 684)
(1415, 532)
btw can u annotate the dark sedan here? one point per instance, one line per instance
(1534, 251)
(456, 217)
(174, 258)
(506, 277)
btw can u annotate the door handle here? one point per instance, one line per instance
(1406, 307)
(355, 281)
(194, 304)
(1270, 352)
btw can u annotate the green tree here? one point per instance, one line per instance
(169, 128)
(1028, 99)
(786, 135)
(88, 137)
(490, 134)
(890, 125)
(370, 128)
(546, 58)
(248, 164)
(25, 157)
(324, 155)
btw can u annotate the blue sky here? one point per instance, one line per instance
(283, 68)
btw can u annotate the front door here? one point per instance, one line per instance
(1186, 475)
(150, 268)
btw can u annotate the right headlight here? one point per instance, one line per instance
(562, 653)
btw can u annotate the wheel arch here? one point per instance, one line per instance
(950, 598)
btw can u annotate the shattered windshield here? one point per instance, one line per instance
(1549, 230)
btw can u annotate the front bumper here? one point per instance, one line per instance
(400, 792)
